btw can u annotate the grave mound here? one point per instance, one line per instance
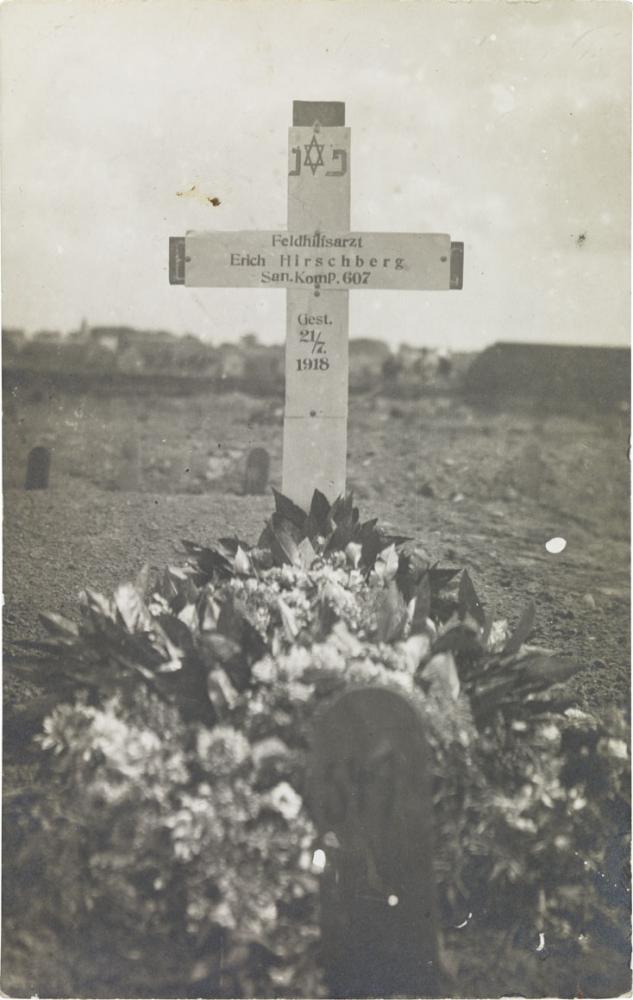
(208, 767)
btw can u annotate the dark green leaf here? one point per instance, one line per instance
(209, 561)
(318, 522)
(220, 649)
(413, 565)
(177, 632)
(288, 508)
(231, 544)
(59, 625)
(371, 543)
(141, 583)
(342, 508)
(284, 548)
(220, 692)
(132, 608)
(306, 553)
(460, 639)
(439, 578)
(99, 605)
(234, 624)
(394, 539)
(522, 631)
(320, 512)
(468, 601)
(543, 671)
(266, 537)
(40, 670)
(422, 605)
(342, 535)
(390, 613)
(279, 523)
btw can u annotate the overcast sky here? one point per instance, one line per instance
(504, 124)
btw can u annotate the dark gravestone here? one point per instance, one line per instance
(257, 470)
(38, 469)
(371, 799)
(129, 479)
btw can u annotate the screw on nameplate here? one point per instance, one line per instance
(176, 260)
(457, 266)
(370, 795)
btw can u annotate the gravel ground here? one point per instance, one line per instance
(484, 491)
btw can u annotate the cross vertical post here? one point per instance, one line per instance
(317, 320)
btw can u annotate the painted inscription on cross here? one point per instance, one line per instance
(318, 261)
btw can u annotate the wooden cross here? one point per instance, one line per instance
(318, 261)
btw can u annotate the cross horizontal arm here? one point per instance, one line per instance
(332, 261)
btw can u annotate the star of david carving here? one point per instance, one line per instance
(314, 147)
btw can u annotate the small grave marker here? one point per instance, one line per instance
(318, 261)
(38, 469)
(257, 471)
(130, 478)
(371, 798)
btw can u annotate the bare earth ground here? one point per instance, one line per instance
(485, 491)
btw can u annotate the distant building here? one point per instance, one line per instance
(43, 352)
(368, 352)
(137, 350)
(112, 338)
(461, 362)
(249, 341)
(367, 357)
(13, 340)
(130, 360)
(47, 337)
(80, 336)
(192, 356)
(232, 361)
(552, 376)
(420, 363)
(264, 367)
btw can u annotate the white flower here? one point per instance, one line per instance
(265, 671)
(579, 715)
(353, 551)
(344, 640)
(326, 656)
(300, 692)
(189, 616)
(223, 915)
(499, 635)
(441, 671)
(241, 562)
(413, 651)
(285, 800)
(288, 575)
(223, 748)
(617, 748)
(296, 662)
(386, 565)
(549, 732)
